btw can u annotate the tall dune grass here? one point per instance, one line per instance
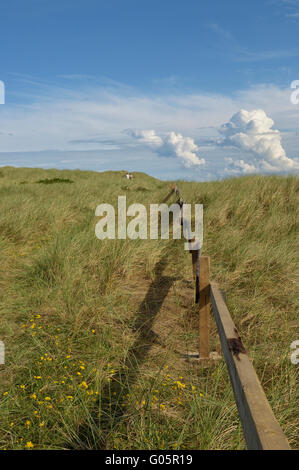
(93, 329)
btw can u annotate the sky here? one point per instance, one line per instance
(179, 89)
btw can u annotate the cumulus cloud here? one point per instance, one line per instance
(148, 137)
(239, 166)
(170, 144)
(87, 120)
(253, 132)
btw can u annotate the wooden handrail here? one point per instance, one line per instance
(260, 427)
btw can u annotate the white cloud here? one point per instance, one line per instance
(90, 119)
(229, 46)
(239, 166)
(170, 145)
(148, 137)
(253, 132)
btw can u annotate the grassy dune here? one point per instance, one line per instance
(94, 330)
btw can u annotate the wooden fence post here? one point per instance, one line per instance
(204, 307)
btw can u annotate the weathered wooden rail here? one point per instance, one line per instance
(260, 427)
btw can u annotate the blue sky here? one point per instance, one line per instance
(178, 89)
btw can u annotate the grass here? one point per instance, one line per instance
(54, 180)
(94, 330)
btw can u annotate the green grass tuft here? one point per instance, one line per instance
(94, 330)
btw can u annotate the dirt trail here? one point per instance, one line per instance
(167, 318)
(165, 327)
(166, 304)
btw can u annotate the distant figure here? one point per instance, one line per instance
(128, 176)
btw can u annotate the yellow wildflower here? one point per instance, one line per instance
(84, 384)
(180, 385)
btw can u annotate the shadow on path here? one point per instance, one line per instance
(95, 434)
